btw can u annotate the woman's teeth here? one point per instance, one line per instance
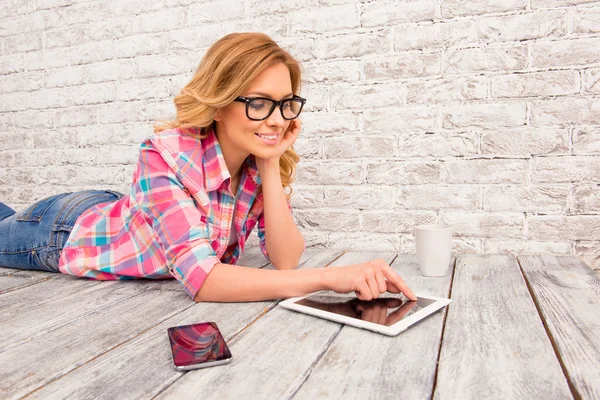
(268, 137)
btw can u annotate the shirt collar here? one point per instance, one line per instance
(215, 168)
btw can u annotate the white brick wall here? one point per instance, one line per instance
(481, 114)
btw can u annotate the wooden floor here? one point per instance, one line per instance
(526, 328)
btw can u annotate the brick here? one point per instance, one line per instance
(404, 65)
(586, 198)
(591, 77)
(329, 173)
(318, 123)
(438, 197)
(33, 119)
(438, 34)
(302, 49)
(12, 63)
(140, 45)
(359, 146)
(541, 24)
(276, 26)
(525, 142)
(8, 142)
(329, 220)
(6, 121)
(161, 20)
(317, 96)
(49, 98)
(128, 7)
(361, 197)
(513, 247)
(586, 140)
(403, 172)
(557, 3)
(395, 222)
(537, 199)
(100, 10)
(581, 227)
(102, 175)
(260, 7)
(364, 241)
(548, 83)
(311, 148)
(49, 4)
(437, 144)
(92, 52)
(565, 111)
(398, 119)
(113, 28)
(447, 90)
(566, 169)
(377, 13)
(93, 93)
(307, 196)
(68, 76)
(115, 154)
(66, 36)
(15, 101)
(455, 8)
(509, 225)
(323, 19)
(112, 70)
(483, 115)
(311, 238)
(586, 20)
(332, 71)
(22, 43)
(546, 54)
(214, 11)
(353, 45)
(371, 95)
(23, 82)
(484, 171)
(151, 66)
(77, 116)
(489, 58)
(54, 58)
(589, 252)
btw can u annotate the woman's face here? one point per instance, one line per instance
(238, 135)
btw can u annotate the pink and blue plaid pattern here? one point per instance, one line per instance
(176, 219)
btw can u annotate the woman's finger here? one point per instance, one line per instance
(373, 286)
(392, 276)
(364, 292)
(381, 282)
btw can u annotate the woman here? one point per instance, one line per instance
(202, 183)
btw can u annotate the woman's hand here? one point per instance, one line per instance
(368, 280)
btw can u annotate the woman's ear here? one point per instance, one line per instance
(217, 116)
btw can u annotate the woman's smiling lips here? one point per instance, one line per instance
(268, 138)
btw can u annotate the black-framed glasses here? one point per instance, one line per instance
(260, 108)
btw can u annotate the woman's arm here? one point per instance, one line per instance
(232, 283)
(283, 239)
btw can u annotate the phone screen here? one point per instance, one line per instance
(197, 344)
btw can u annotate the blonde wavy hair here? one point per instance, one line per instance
(226, 70)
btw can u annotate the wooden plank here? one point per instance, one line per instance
(22, 278)
(567, 294)
(26, 367)
(271, 358)
(362, 364)
(142, 367)
(62, 309)
(494, 343)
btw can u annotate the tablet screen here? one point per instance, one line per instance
(383, 311)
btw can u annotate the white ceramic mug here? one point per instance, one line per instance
(434, 249)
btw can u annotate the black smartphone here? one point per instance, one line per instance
(198, 346)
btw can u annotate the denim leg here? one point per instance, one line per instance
(33, 238)
(5, 211)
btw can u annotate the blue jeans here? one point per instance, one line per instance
(34, 238)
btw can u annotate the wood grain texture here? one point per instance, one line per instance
(361, 364)
(22, 278)
(567, 293)
(494, 343)
(45, 358)
(64, 306)
(271, 357)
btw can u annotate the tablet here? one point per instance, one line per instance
(389, 315)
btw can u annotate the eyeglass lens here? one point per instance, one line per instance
(259, 108)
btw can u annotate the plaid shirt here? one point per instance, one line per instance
(176, 220)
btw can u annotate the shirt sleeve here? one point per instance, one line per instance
(178, 224)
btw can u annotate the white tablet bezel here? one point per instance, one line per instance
(391, 330)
